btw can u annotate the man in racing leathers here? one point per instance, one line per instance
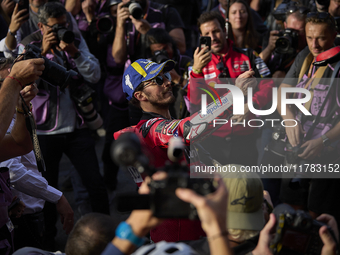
(148, 85)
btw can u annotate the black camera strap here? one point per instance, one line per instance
(32, 129)
(317, 118)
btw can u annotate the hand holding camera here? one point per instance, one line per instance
(28, 71)
(123, 14)
(274, 35)
(49, 41)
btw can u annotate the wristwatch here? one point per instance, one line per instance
(325, 140)
(124, 231)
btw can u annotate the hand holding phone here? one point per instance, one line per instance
(205, 41)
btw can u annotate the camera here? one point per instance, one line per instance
(83, 97)
(53, 73)
(287, 42)
(162, 200)
(296, 232)
(104, 24)
(135, 9)
(160, 56)
(63, 34)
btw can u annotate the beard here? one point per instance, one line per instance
(161, 102)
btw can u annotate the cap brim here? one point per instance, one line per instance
(246, 221)
(156, 69)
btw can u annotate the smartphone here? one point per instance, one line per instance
(204, 42)
(23, 4)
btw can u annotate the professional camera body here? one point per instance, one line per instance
(160, 56)
(287, 42)
(162, 199)
(296, 232)
(63, 34)
(81, 94)
(135, 9)
(53, 73)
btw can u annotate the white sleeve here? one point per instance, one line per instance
(29, 181)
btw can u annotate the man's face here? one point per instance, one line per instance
(216, 33)
(319, 38)
(334, 8)
(162, 46)
(160, 96)
(299, 25)
(62, 20)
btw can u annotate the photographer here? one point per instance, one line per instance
(224, 61)
(280, 62)
(129, 42)
(310, 142)
(23, 24)
(60, 128)
(19, 141)
(161, 48)
(212, 210)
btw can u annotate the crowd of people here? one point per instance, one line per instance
(137, 69)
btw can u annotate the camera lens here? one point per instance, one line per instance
(65, 35)
(136, 10)
(282, 45)
(104, 24)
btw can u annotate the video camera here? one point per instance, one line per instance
(162, 200)
(296, 232)
(53, 73)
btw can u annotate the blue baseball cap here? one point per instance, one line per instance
(143, 70)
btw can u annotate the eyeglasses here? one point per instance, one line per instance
(321, 15)
(66, 25)
(159, 79)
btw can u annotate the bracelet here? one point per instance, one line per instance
(15, 80)
(20, 110)
(224, 233)
(196, 71)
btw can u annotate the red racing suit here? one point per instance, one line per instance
(154, 132)
(236, 61)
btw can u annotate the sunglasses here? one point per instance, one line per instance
(224, 71)
(320, 15)
(159, 79)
